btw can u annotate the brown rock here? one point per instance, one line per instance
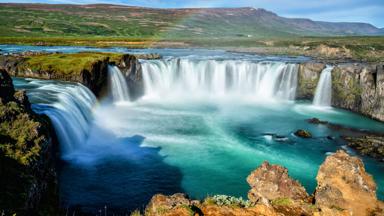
(303, 133)
(177, 205)
(270, 182)
(343, 185)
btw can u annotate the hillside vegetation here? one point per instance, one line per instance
(37, 20)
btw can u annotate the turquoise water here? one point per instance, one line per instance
(200, 147)
(216, 145)
(197, 145)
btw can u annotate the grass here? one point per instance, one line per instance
(282, 202)
(67, 64)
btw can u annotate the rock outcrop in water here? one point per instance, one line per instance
(27, 156)
(344, 188)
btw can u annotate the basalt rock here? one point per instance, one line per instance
(359, 88)
(370, 145)
(309, 75)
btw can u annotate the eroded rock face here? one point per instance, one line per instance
(343, 185)
(270, 182)
(309, 75)
(359, 88)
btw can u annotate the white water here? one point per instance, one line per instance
(323, 94)
(189, 78)
(118, 84)
(71, 114)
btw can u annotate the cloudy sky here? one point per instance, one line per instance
(370, 11)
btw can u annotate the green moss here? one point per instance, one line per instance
(67, 64)
(282, 201)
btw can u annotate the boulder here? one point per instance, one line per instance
(270, 182)
(303, 133)
(344, 186)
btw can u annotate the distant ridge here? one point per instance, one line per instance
(128, 21)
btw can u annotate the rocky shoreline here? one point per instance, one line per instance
(343, 188)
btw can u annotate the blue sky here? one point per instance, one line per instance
(370, 11)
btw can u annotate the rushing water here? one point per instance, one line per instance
(118, 84)
(69, 106)
(323, 94)
(219, 79)
(202, 126)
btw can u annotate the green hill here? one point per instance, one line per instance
(42, 20)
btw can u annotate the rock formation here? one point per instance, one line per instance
(359, 88)
(27, 156)
(309, 75)
(90, 69)
(270, 182)
(344, 189)
(343, 185)
(303, 133)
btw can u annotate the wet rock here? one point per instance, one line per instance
(303, 133)
(270, 182)
(316, 121)
(344, 186)
(370, 145)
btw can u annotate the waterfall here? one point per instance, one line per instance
(323, 94)
(218, 78)
(118, 84)
(70, 113)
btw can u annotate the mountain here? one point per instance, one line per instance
(126, 21)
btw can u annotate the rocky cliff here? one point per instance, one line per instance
(358, 87)
(309, 75)
(344, 188)
(90, 69)
(27, 156)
